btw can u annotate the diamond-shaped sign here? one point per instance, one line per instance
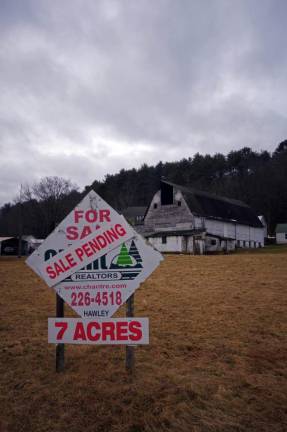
(94, 259)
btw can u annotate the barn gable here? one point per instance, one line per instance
(167, 209)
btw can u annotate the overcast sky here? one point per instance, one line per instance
(89, 87)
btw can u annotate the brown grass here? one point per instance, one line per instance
(216, 359)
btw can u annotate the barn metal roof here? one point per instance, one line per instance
(5, 238)
(211, 206)
(134, 211)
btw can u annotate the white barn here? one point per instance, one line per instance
(281, 233)
(181, 219)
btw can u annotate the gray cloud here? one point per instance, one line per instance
(88, 88)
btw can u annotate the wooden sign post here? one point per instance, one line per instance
(130, 354)
(60, 347)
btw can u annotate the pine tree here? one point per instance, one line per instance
(124, 258)
(135, 253)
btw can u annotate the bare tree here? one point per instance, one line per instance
(50, 197)
(52, 188)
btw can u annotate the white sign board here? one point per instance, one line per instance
(94, 259)
(116, 331)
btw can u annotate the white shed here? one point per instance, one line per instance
(281, 233)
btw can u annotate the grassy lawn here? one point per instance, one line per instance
(216, 359)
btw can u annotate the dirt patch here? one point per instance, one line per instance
(216, 359)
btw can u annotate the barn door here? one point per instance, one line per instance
(184, 244)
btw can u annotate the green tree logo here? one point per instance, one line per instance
(133, 252)
(124, 259)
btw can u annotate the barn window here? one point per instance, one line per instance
(213, 242)
(163, 240)
(179, 203)
(155, 205)
(285, 236)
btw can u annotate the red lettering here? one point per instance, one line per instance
(112, 235)
(105, 215)
(72, 233)
(108, 330)
(90, 327)
(135, 330)
(120, 230)
(122, 330)
(58, 269)
(87, 249)
(64, 267)
(94, 245)
(86, 231)
(63, 327)
(91, 216)
(78, 214)
(101, 241)
(70, 260)
(79, 332)
(52, 274)
(79, 252)
(106, 237)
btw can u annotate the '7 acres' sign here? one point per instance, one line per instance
(95, 261)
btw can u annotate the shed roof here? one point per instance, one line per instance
(281, 228)
(4, 238)
(212, 206)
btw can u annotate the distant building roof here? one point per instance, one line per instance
(213, 206)
(262, 220)
(281, 228)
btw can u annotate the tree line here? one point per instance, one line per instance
(259, 178)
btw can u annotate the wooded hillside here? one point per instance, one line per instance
(257, 178)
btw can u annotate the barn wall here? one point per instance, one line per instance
(253, 237)
(173, 243)
(280, 238)
(246, 236)
(212, 244)
(199, 222)
(190, 244)
(220, 228)
(168, 216)
(181, 244)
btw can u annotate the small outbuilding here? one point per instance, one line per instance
(10, 246)
(281, 233)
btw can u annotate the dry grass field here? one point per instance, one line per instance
(216, 359)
